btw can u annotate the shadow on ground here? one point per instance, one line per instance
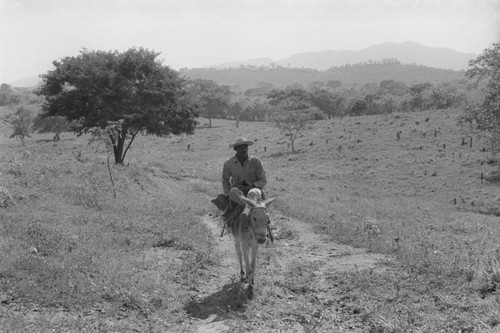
(230, 302)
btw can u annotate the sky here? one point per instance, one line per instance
(199, 33)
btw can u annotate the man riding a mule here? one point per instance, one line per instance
(244, 206)
(242, 176)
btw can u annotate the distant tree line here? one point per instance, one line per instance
(124, 94)
(330, 99)
(15, 96)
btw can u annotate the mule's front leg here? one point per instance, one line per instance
(246, 257)
(255, 248)
(237, 244)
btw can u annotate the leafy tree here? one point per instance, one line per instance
(392, 87)
(22, 123)
(297, 99)
(292, 112)
(17, 96)
(440, 98)
(54, 124)
(8, 95)
(263, 89)
(334, 84)
(486, 68)
(316, 85)
(387, 103)
(257, 108)
(329, 103)
(359, 107)
(372, 105)
(417, 92)
(211, 99)
(129, 93)
(236, 108)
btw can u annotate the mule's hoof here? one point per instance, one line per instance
(250, 291)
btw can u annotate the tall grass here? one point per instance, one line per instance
(69, 243)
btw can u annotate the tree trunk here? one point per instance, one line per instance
(118, 150)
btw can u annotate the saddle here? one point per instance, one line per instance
(231, 212)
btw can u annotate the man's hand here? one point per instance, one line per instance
(245, 188)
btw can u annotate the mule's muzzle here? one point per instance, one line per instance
(261, 240)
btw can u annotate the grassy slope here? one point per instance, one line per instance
(352, 179)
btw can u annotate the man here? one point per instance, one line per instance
(241, 174)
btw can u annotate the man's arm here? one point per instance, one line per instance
(261, 180)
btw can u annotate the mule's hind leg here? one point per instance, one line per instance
(237, 245)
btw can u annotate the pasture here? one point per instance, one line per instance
(383, 223)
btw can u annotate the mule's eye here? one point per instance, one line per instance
(268, 221)
(255, 219)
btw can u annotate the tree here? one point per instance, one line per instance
(359, 107)
(395, 88)
(22, 122)
(128, 93)
(417, 91)
(334, 84)
(328, 102)
(211, 99)
(292, 111)
(291, 121)
(8, 95)
(298, 99)
(486, 68)
(250, 108)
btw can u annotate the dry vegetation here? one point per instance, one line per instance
(73, 258)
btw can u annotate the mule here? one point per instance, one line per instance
(248, 233)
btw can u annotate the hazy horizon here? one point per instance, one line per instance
(197, 33)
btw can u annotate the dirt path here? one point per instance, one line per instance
(295, 288)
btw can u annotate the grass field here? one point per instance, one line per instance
(416, 189)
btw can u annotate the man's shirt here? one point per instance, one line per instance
(251, 172)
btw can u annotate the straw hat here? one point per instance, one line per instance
(241, 141)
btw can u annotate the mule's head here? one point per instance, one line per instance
(259, 219)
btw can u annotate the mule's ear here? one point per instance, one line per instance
(249, 202)
(269, 201)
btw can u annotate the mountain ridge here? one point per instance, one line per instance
(405, 52)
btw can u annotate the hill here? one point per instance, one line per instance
(407, 53)
(248, 77)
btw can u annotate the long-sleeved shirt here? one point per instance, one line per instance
(251, 172)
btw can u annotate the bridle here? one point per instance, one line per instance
(251, 223)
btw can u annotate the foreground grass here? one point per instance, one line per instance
(420, 199)
(68, 243)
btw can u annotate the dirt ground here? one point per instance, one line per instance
(297, 269)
